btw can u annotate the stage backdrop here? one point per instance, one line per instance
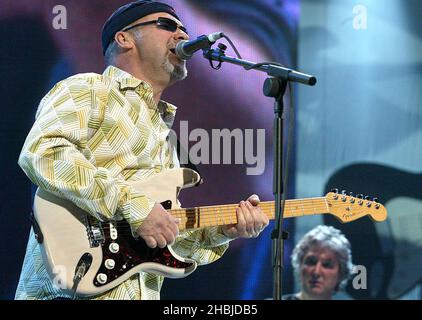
(360, 130)
(45, 41)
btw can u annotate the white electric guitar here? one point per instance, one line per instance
(110, 254)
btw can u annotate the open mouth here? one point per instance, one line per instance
(173, 51)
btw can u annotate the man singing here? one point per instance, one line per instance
(95, 132)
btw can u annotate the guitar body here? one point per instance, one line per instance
(69, 232)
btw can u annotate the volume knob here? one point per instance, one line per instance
(114, 247)
(102, 278)
(109, 264)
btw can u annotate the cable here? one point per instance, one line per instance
(81, 269)
(232, 45)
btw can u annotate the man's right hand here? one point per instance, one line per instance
(159, 228)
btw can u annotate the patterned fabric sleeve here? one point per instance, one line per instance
(204, 245)
(56, 158)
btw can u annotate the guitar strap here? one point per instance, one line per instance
(38, 234)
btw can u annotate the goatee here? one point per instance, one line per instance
(176, 71)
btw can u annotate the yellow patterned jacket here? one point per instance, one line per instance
(92, 134)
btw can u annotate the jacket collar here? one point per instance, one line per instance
(127, 81)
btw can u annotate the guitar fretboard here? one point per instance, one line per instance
(209, 216)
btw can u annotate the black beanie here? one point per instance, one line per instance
(129, 13)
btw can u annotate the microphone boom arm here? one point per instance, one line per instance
(271, 69)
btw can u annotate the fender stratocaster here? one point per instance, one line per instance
(68, 233)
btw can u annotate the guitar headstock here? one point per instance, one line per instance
(348, 208)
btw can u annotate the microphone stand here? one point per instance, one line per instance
(274, 86)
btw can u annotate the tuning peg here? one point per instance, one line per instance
(360, 197)
(377, 205)
(367, 198)
(335, 190)
(343, 192)
(351, 194)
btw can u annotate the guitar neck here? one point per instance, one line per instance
(201, 217)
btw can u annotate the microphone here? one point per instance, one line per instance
(186, 48)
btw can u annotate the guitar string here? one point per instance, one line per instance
(212, 218)
(224, 208)
(211, 211)
(230, 209)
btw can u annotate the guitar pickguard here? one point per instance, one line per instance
(132, 252)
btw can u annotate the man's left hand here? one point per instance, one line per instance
(250, 220)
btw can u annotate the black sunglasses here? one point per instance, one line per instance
(163, 23)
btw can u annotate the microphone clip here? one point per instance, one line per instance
(221, 51)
